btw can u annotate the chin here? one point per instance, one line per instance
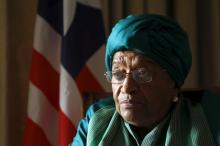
(134, 123)
(132, 120)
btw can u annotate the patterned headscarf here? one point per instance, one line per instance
(158, 38)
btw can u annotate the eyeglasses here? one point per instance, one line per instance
(140, 75)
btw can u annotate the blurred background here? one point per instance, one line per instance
(200, 18)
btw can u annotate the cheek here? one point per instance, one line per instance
(159, 98)
(116, 91)
(146, 91)
(155, 93)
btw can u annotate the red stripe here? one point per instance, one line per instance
(86, 81)
(34, 135)
(45, 78)
(67, 130)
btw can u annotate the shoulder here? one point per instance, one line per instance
(82, 129)
(103, 103)
(104, 113)
(211, 106)
(210, 102)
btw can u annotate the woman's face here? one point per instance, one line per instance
(142, 104)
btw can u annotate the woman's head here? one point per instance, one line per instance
(147, 56)
(156, 37)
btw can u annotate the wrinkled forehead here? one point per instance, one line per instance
(124, 57)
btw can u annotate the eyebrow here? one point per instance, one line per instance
(117, 61)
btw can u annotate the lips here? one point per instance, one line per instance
(129, 103)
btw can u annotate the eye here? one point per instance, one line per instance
(142, 75)
(118, 75)
(141, 72)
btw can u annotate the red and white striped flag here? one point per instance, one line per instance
(67, 60)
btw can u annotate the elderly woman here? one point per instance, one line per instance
(147, 59)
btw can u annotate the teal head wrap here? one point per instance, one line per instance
(158, 38)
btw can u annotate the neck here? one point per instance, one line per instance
(141, 131)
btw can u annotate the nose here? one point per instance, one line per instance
(129, 85)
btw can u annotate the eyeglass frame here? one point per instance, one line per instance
(109, 74)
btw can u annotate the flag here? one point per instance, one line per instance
(67, 61)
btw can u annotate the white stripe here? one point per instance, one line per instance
(43, 113)
(47, 42)
(69, 8)
(91, 3)
(70, 97)
(96, 65)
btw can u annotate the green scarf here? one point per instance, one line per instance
(186, 125)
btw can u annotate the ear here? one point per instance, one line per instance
(175, 94)
(173, 84)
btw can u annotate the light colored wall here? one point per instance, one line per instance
(2, 70)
